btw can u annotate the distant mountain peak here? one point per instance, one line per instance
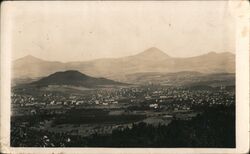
(154, 49)
(29, 58)
(153, 52)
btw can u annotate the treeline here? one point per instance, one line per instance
(215, 127)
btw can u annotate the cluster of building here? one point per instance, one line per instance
(151, 97)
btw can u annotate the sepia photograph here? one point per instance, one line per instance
(123, 75)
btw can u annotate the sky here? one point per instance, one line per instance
(79, 31)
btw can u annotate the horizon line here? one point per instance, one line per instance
(120, 57)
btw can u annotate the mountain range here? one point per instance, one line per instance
(120, 69)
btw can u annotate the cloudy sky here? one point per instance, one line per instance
(79, 31)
